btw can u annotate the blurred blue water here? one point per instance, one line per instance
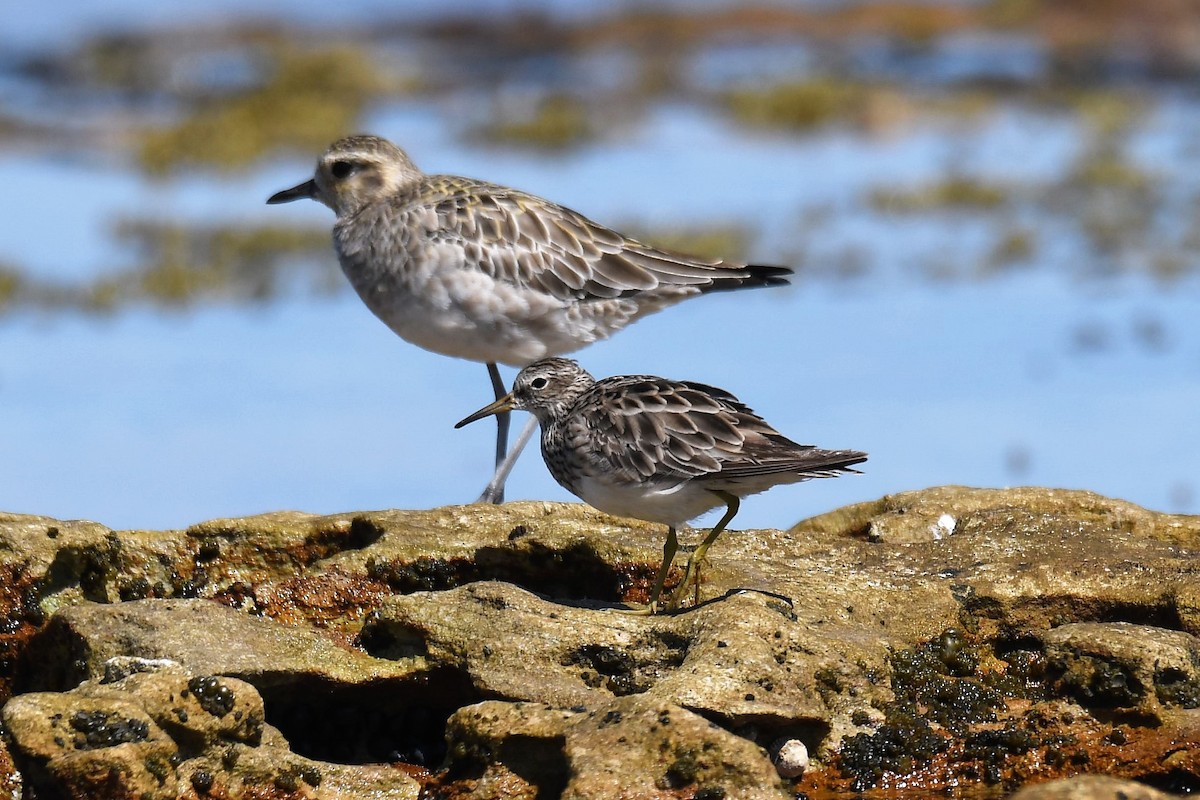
(154, 419)
(159, 421)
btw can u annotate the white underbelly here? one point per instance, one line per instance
(443, 307)
(496, 325)
(453, 333)
(668, 505)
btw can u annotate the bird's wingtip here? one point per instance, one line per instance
(769, 275)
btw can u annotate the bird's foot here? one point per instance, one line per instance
(690, 583)
(674, 598)
(667, 601)
(636, 609)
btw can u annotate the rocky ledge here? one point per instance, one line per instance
(945, 640)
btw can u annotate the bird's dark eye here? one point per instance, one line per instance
(538, 383)
(341, 169)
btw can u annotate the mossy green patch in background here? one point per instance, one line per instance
(307, 100)
(1015, 246)
(1106, 167)
(558, 121)
(955, 192)
(805, 105)
(181, 266)
(1114, 200)
(801, 105)
(11, 282)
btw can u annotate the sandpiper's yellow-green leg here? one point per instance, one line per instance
(670, 547)
(692, 575)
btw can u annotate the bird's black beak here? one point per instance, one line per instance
(307, 189)
(499, 407)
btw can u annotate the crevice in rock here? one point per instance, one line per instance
(422, 574)
(852, 522)
(363, 533)
(1174, 687)
(1097, 683)
(632, 669)
(54, 660)
(764, 729)
(540, 762)
(576, 572)
(322, 544)
(674, 644)
(381, 638)
(1062, 610)
(1162, 614)
(368, 723)
(21, 618)
(90, 568)
(1177, 781)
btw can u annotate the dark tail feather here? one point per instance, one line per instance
(769, 274)
(835, 462)
(752, 276)
(809, 463)
(844, 463)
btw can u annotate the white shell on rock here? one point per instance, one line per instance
(790, 757)
(944, 527)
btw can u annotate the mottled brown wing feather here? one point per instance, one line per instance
(668, 431)
(529, 242)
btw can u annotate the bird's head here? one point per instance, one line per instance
(546, 388)
(352, 172)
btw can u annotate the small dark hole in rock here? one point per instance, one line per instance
(363, 532)
(208, 550)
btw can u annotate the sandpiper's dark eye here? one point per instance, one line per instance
(538, 383)
(341, 169)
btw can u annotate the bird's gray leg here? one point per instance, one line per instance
(692, 575)
(502, 418)
(494, 493)
(495, 489)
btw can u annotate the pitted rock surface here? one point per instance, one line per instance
(935, 639)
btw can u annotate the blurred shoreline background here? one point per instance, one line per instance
(993, 209)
